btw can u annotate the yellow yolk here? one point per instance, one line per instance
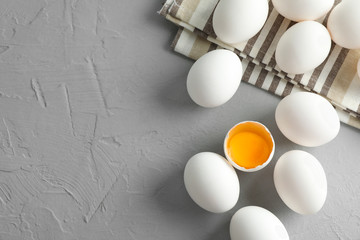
(249, 144)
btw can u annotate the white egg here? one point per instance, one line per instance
(303, 10)
(211, 182)
(236, 21)
(307, 119)
(300, 182)
(256, 223)
(303, 47)
(344, 24)
(214, 78)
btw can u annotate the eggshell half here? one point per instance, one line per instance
(303, 10)
(211, 182)
(303, 47)
(344, 24)
(236, 21)
(256, 223)
(214, 78)
(300, 182)
(257, 150)
(307, 119)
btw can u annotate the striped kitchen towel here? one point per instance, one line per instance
(336, 78)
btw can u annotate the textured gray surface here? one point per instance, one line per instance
(96, 128)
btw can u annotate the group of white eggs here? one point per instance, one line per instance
(304, 118)
(211, 181)
(304, 46)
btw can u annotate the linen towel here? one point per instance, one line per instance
(335, 79)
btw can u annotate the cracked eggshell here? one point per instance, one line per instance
(344, 24)
(301, 182)
(211, 182)
(303, 10)
(256, 223)
(307, 119)
(236, 21)
(303, 47)
(214, 78)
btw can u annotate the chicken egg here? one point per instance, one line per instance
(307, 119)
(211, 182)
(303, 10)
(249, 146)
(214, 78)
(256, 223)
(303, 47)
(344, 24)
(236, 21)
(300, 182)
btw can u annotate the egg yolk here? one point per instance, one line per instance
(249, 144)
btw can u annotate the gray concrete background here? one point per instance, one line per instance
(96, 128)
